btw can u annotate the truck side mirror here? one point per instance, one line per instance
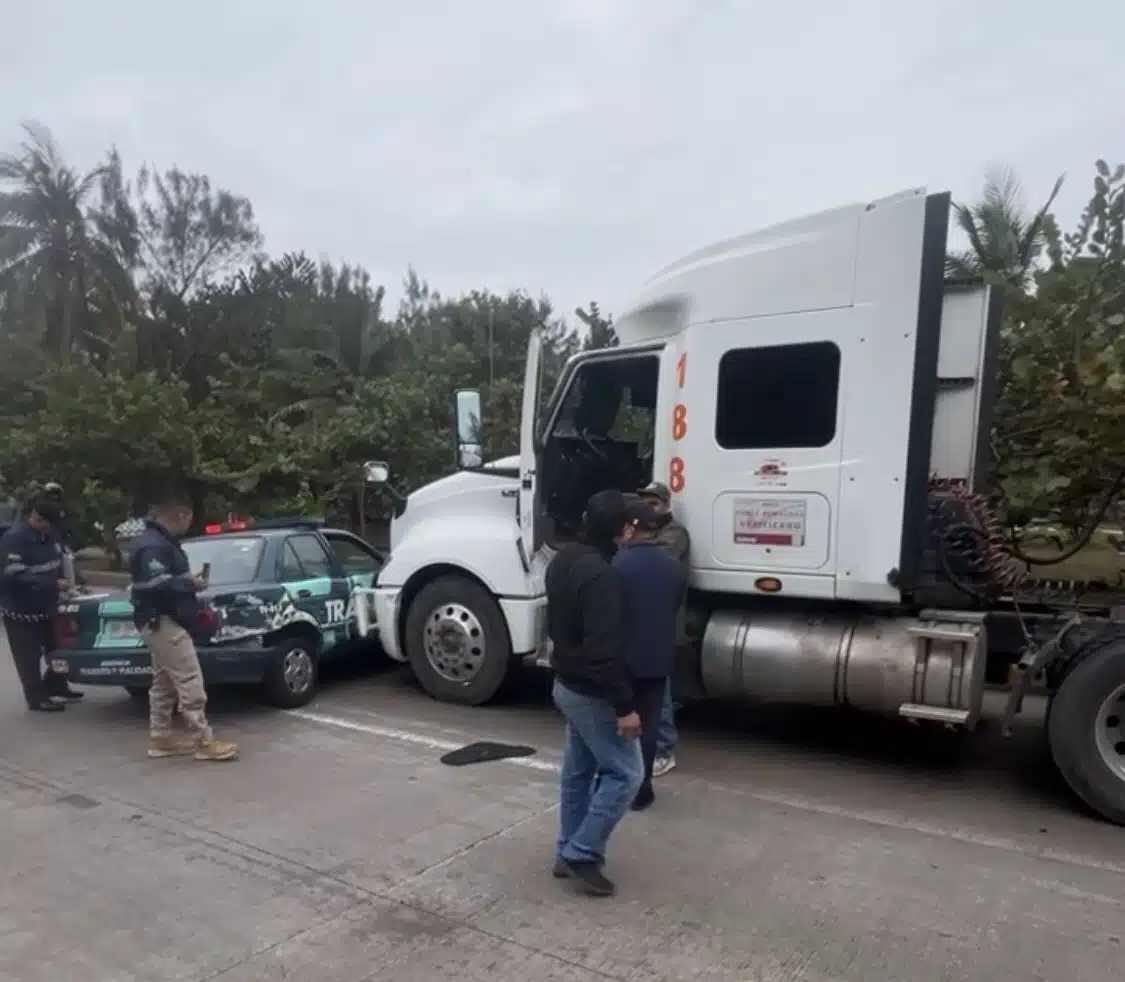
(467, 426)
(376, 472)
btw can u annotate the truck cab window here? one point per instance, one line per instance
(782, 397)
(601, 438)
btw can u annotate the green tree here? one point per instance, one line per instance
(189, 233)
(1060, 428)
(1005, 242)
(599, 327)
(55, 270)
(144, 339)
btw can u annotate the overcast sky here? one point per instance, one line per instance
(567, 146)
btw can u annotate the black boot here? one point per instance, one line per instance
(645, 797)
(45, 705)
(58, 687)
(591, 879)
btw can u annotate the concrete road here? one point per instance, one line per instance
(785, 847)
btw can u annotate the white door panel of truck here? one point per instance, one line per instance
(818, 399)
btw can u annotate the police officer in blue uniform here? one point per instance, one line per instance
(166, 611)
(31, 580)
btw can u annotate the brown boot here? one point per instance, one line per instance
(216, 750)
(170, 745)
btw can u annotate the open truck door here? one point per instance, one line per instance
(527, 540)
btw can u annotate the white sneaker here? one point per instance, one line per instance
(662, 765)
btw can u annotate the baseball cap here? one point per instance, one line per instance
(640, 514)
(657, 490)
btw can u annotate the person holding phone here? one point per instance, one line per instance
(602, 767)
(166, 611)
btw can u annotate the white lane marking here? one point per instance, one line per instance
(417, 739)
(780, 799)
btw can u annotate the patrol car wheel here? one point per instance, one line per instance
(139, 693)
(291, 678)
(457, 642)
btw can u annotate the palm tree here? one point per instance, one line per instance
(51, 258)
(1005, 243)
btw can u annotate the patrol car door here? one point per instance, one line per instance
(309, 574)
(360, 565)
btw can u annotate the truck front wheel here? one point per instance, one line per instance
(457, 642)
(1086, 730)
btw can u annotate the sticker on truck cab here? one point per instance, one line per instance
(770, 522)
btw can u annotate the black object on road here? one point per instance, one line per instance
(478, 753)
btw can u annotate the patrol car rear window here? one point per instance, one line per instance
(233, 559)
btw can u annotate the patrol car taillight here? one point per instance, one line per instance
(208, 619)
(212, 529)
(66, 629)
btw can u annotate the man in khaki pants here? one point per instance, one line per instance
(165, 610)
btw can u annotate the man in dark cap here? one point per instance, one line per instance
(652, 588)
(602, 766)
(56, 683)
(674, 538)
(30, 583)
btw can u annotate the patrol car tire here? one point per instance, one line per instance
(497, 671)
(1085, 721)
(138, 693)
(295, 651)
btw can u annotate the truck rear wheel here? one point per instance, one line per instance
(1086, 730)
(457, 642)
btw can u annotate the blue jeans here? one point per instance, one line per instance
(668, 736)
(601, 773)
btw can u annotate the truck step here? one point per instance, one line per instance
(933, 633)
(953, 647)
(934, 714)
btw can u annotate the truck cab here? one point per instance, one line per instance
(785, 386)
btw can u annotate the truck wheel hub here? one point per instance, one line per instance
(1109, 735)
(454, 642)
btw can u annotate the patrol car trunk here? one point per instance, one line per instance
(104, 620)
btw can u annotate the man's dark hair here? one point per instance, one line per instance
(46, 509)
(605, 516)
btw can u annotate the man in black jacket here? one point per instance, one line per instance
(166, 611)
(30, 583)
(602, 765)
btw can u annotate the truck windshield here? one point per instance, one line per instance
(233, 559)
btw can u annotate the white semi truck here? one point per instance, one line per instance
(817, 397)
